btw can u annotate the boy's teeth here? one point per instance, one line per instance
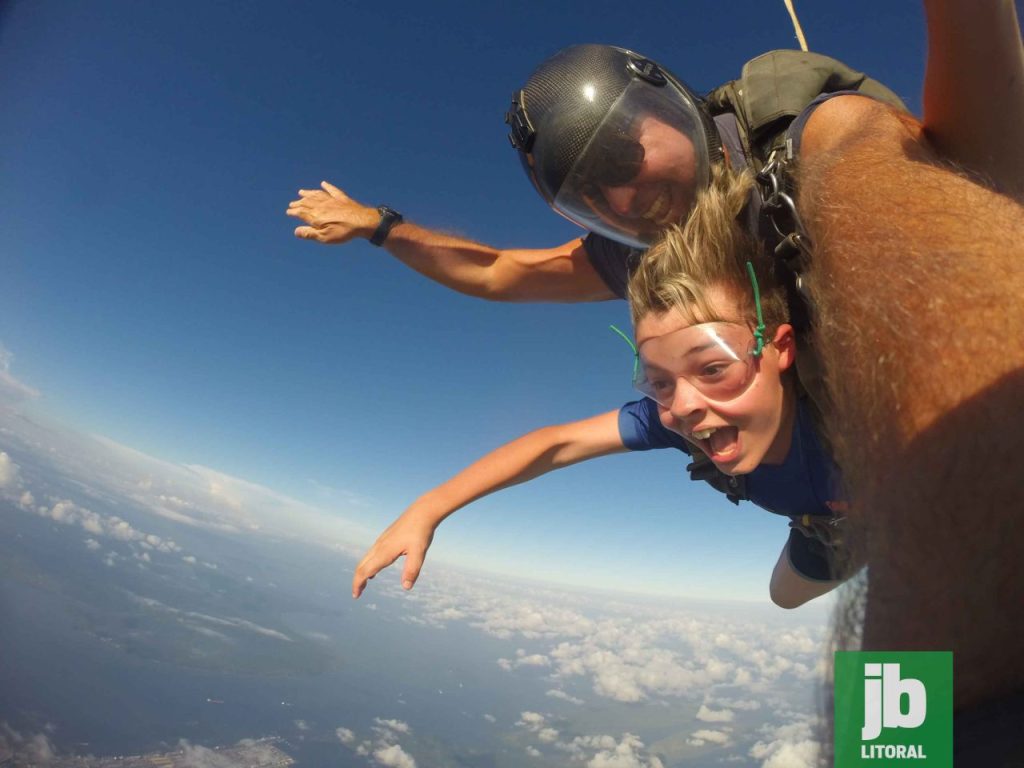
(704, 434)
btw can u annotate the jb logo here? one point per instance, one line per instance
(893, 709)
(884, 692)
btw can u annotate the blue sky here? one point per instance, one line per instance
(153, 293)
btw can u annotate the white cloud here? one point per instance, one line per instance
(196, 756)
(531, 660)
(8, 471)
(631, 668)
(67, 512)
(557, 694)
(748, 705)
(490, 718)
(384, 750)
(532, 721)
(11, 389)
(547, 735)
(627, 652)
(629, 753)
(705, 735)
(190, 495)
(791, 745)
(525, 660)
(394, 756)
(30, 750)
(579, 745)
(188, 617)
(803, 754)
(596, 750)
(394, 725)
(708, 715)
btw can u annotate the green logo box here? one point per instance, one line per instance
(893, 709)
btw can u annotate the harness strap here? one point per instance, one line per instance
(702, 468)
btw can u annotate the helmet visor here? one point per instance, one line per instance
(642, 167)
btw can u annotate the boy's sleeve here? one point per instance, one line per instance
(641, 429)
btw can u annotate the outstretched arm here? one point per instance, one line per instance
(523, 459)
(974, 88)
(917, 281)
(563, 273)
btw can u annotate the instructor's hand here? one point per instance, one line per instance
(409, 535)
(332, 216)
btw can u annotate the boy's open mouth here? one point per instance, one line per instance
(719, 443)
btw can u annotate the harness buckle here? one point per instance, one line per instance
(829, 531)
(781, 210)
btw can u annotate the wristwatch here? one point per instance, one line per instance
(389, 218)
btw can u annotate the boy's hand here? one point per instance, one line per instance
(409, 535)
(331, 216)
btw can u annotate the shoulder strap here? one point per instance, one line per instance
(775, 87)
(702, 468)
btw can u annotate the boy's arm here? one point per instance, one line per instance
(523, 459)
(563, 273)
(974, 88)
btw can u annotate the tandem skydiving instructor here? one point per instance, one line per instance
(902, 241)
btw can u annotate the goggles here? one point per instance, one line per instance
(718, 359)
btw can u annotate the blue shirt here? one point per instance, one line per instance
(803, 484)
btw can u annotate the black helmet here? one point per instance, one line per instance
(591, 119)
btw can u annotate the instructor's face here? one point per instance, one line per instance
(662, 191)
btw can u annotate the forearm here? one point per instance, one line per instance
(561, 274)
(974, 88)
(458, 263)
(917, 284)
(528, 457)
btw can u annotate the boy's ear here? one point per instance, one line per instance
(784, 342)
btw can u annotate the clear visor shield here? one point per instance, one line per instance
(641, 169)
(716, 359)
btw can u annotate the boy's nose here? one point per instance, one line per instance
(686, 403)
(620, 199)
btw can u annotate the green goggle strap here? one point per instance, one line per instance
(636, 353)
(759, 331)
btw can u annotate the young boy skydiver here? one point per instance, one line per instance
(715, 362)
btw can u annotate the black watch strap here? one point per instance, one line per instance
(389, 218)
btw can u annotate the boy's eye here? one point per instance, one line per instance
(714, 370)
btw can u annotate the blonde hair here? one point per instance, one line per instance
(710, 249)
